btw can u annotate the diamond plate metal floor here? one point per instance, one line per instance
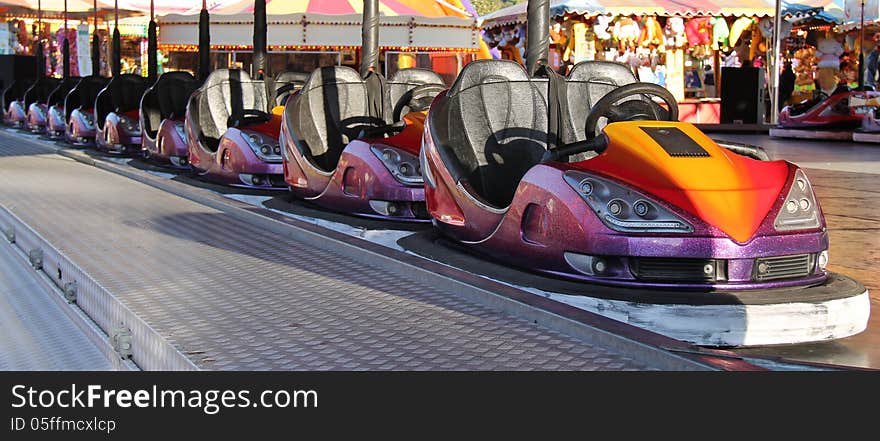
(35, 334)
(231, 295)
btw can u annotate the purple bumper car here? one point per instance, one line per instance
(14, 108)
(644, 202)
(162, 114)
(79, 110)
(343, 154)
(232, 134)
(35, 102)
(117, 128)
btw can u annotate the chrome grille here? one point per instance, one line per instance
(670, 269)
(783, 267)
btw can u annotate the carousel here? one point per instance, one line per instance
(301, 36)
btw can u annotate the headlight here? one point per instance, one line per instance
(129, 124)
(88, 119)
(264, 147)
(402, 165)
(799, 210)
(622, 209)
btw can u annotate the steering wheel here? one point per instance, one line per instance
(631, 110)
(367, 127)
(286, 90)
(417, 99)
(248, 117)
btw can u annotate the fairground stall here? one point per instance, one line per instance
(303, 35)
(681, 46)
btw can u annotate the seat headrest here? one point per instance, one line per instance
(602, 71)
(178, 75)
(487, 71)
(332, 75)
(220, 76)
(291, 77)
(416, 76)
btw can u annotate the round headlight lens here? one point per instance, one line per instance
(615, 207)
(805, 204)
(791, 206)
(586, 187)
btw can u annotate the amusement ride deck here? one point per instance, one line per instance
(193, 286)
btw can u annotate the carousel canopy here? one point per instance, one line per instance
(330, 24)
(421, 8)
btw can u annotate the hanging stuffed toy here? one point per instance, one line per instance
(601, 27)
(698, 31)
(674, 33)
(652, 33)
(720, 33)
(829, 51)
(507, 44)
(758, 45)
(627, 32)
(738, 28)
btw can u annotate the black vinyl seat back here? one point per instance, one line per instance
(15, 92)
(291, 82)
(399, 90)
(122, 94)
(491, 128)
(332, 97)
(40, 90)
(57, 96)
(226, 95)
(83, 95)
(586, 84)
(166, 99)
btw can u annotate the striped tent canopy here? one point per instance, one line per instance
(51, 5)
(760, 8)
(419, 8)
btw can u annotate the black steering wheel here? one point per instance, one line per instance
(417, 99)
(367, 127)
(632, 110)
(248, 117)
(285, 90)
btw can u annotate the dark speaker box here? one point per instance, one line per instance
(742, 95)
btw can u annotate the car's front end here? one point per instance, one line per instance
(120, 133)
(81, 127)
(379, 178)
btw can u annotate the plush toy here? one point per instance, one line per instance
(508, 45)
(738, 28)
(652, 33)
(674, 33)
(627, 32)
(720, 33)
(758, 44)
(601, 27)
(829, 50)
(698, 31)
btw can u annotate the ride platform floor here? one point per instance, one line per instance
(35, 333)
(229, 294)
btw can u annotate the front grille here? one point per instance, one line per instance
(783, 267)
(420, 210)
(277, 181)
(671, 269)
